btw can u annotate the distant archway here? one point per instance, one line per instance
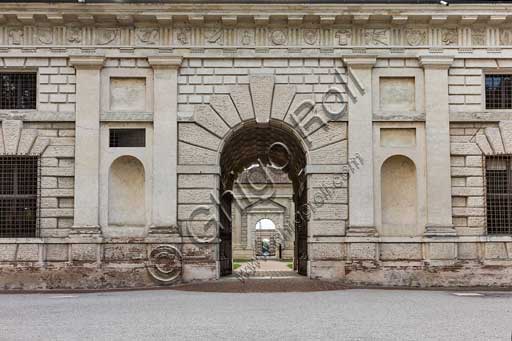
(274, 145)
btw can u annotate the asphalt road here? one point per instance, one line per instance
(329, 315)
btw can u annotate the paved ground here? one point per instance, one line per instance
(266, 268)
(329, 315)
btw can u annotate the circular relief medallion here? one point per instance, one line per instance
(278, 37)
(165, 263)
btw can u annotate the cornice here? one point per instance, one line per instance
(87, 61)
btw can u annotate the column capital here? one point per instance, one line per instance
(436, 62)
(360, 60)
(169, 62)
(87, 61)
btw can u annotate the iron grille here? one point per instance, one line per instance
(127, 137)
(18, 90)
(498, 91)
(19, 196)
(499, 194)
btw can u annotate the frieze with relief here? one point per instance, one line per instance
(217, 36)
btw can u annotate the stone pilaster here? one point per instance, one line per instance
(165, 143)
(87, 158)
(437, 129)
(360, 145)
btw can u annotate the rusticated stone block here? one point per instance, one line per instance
(363, 251)
(57, 252)
(401, 251)
(467, 251)
(27, 253)
(327, 251)
(442, 250)
(124, 252)
(496, 250)
(84, 252)
(7, 252)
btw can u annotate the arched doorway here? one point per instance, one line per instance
(269, 145)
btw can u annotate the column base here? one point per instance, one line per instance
(439, 231)
(362, 231)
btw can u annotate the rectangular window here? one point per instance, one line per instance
(19, 188)
(499, 194)
(18, 90)
(498, 91)
(127, 137)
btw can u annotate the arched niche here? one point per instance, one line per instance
(126, 193)
(399, 196)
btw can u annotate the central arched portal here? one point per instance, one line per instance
(269, 145)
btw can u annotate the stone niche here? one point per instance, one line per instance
(126, 193)
(127, 94)
(399, 175)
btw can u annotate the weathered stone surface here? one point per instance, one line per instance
(84, 252)
(496, 250)
(195, 134)
(208, 119)
(283, 95)
(483, 144)
(197, 181)
(11, 132)
(224, 106)
(494, 136)
(298, 114)
(193, 155)
(262, 89)
(332, 154)
(57, 252)
(197, 196)
(467, 251)
(28, 253)
(328, 134)
(442, 250)
(506, 135)
(124, 252)
(8, 252)
(401, 251)
(27, 139)
(363, 250)
(327, 251)
(242, 98)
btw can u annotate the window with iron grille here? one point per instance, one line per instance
(499, 194)
(127, 137)
(18, 90)
(498, 91)
(19, 196)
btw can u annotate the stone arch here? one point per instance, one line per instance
(494, 140)
(16, 140)
(399, 204)
(257, 112)
(261, 102)
(126, 192)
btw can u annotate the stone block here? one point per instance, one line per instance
(57, 252)
(467, 251)
(327, 269)
(84, 252)
(27, 253)
(495, 250)
(7, 252)
(124, 252)
(363, 250)
(327, 251)
(401, 251)
(443, 251)
(197, 181)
